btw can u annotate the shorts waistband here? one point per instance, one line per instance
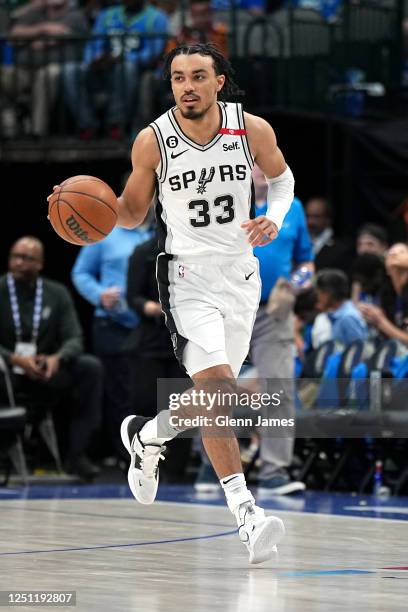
(211, 259)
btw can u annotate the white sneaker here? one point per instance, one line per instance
(258, 532)
(143, 473)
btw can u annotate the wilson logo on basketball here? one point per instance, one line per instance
(77, 230)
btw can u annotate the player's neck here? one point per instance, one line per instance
(204, 129)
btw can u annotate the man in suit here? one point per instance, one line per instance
(329, 252)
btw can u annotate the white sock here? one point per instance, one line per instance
(158, 430)
(236, 491)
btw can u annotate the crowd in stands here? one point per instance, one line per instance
(93, 66)
(101, 61)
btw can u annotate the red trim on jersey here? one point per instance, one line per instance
(231, 132)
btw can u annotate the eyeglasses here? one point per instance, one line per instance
(23, 257)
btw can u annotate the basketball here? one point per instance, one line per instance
(84, 210)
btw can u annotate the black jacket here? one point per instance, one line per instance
(151, 338)
(60, 330)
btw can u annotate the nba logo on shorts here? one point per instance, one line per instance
(181, 271)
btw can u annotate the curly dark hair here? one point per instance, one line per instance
(221, 66)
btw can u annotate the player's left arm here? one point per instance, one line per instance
(264, 148)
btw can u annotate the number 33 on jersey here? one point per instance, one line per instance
(204, 191)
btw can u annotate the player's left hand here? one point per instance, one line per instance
(261, 230)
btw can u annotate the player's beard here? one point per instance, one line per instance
(193, 114)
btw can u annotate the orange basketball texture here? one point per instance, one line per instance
(84, 211)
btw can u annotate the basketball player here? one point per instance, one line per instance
(199, 156)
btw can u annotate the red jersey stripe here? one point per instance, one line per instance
(231, 132)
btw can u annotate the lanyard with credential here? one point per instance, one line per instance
(15, 310)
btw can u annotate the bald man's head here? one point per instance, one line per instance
(26, 259)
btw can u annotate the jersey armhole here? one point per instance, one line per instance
(244, 139)
(161, 169)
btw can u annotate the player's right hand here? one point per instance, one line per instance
(261, 230)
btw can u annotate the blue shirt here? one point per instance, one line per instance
(105, 264)
(291, 248)
(225, 5)
(348, 323)
(328, 8)
(115, 20)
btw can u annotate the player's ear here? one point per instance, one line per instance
(220, 82)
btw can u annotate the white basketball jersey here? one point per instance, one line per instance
(204, 191)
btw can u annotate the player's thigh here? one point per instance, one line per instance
(192, 307)
(197, 359)
(238, 327)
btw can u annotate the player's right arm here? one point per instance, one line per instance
(137, 195)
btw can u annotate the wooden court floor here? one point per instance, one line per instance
(120, 556)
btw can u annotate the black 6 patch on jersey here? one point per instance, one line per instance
(172, 142)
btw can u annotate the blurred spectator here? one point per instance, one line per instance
(273, 334)
(41, 339)
(391, 317)
(305, 314)
(99, 275)
(347, 323)
(202, 29)
(150, 340)
(39, 35)
(329, 252)
(371, 238)
(256, 7)
(401, 213)
(113, 63)
(367, 275)
(151, 350)
(274, 329)
(327, 8)
(92, 8)
(176, 14)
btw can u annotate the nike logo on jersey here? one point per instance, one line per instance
(174, 155)
(248, 275)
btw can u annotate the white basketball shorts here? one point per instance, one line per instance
(210, 308)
